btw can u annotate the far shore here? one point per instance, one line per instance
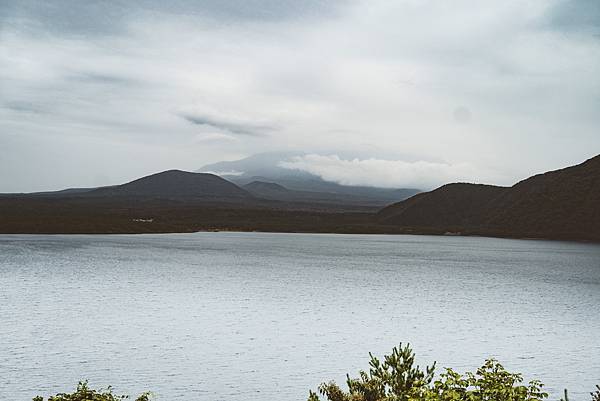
(374, 232)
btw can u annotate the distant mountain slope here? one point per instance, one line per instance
(276, 192)
(562, 201)
(558, 204)
(62, 193)
(265, 167)
(262, 187)
(562, 204)
(452, 205)
(175, 184)
(376, 195)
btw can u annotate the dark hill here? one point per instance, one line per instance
(455, 205)
(561, 204)
(276, 192)
(373, 196)
(565, 202)
(176, 185)
(268, 187)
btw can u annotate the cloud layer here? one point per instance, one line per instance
(227, 124)
(383, 173)
(102, 92)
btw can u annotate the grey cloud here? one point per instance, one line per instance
(24, 107)
(87, 78)
(102, 79)
(259, 9)
(576, 15)
(73, 17)
(63, 16)
(383, 173)
(233, 127)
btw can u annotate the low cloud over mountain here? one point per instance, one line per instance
(382, 173)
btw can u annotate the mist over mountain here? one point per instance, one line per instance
(266, 167)
(257, 165)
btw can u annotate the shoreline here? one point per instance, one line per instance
(346, 233)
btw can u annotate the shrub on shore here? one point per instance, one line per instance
(397, 378)
(84, 393)
(596, 394)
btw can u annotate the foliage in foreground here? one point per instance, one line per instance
(397, 378)
(84, 393)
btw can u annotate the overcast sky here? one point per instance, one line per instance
(420, 92)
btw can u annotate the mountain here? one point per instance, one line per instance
(264, 167)
(276, 192)
(565, 201)
(452, 205)
(374, 196)
(189, 188)
(561, 204)
(171, 201)
(62, 193)
(266, 188)
(175, 185)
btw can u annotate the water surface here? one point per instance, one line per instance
(265, 317)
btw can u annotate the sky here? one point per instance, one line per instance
(374, 92)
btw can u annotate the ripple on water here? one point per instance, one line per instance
(265, 317)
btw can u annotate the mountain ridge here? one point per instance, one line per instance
(265, 167)
(562, 203)
(175, 184)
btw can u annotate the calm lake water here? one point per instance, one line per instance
(266, 317)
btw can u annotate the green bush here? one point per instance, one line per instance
(84, 393)
(397, 378)
(596, 394)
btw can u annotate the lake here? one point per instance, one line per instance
(266, 317)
